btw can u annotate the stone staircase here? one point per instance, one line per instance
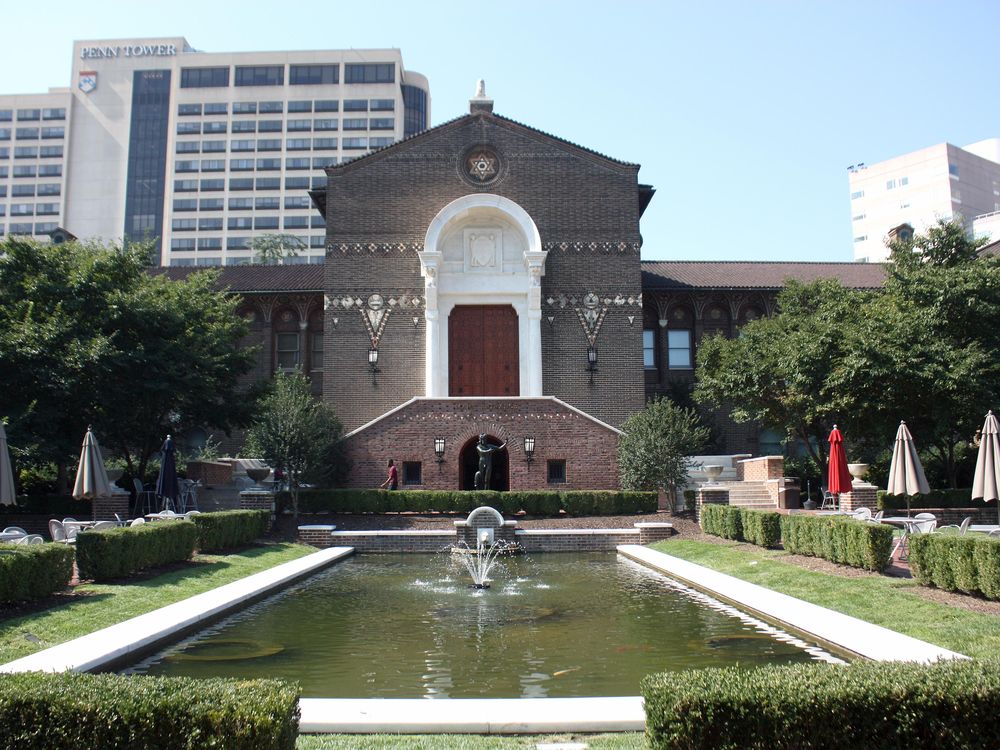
(753, 495)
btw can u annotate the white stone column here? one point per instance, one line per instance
(430, 264)
(535, 262)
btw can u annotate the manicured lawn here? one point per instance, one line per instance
(890, 602)
(106, 604)
(617, 741)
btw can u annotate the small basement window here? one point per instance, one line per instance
(557, 471)
(412, 473)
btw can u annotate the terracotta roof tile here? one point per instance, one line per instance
(293, 278)
(690, 274)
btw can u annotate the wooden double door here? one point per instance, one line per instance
(483, 351)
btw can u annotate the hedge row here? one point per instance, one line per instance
(961, 498)
(957, 563)
(759, 527)
(859, 544)
(858, 706)
(70, 711)
(541, 503)
(228, 529)
(119, 552)
(34, 571)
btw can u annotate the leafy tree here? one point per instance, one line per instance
(273, 248)
(296, 433)
(89, 336)
(653, 451)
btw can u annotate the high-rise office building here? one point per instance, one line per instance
(919, 188)
(202, 151)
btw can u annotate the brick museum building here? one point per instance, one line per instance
(484, 278)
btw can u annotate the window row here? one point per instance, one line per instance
(33, 134)
(34, 170)
(25, 115)
(38, 228)
(276, 126)
(679, 355)
(33, 152)
(244, 222)
(31, 209)
(248, 183)
(189, 244)
(31, 190)
(298, 75)
(241, 204)
(249, 165)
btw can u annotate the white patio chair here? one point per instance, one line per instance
(15, 530)
(925, 517)
(192, 513)
(56, 531)
(137, 522)
(103, 525)
(926, 526)
(145, 500)
(119, 520)
(962, 528)
(862, 514)
(29, 539)
(830, 499)
(995, 534)
(69, 520)
(877, 518)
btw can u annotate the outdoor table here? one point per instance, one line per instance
(984, 528)
(907, 524)
(163, 516)
(78, 525)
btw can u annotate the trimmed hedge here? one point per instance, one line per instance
(70, 711)
(760, 527)
(957, 563)
(230, 528)
(960, 498)
(858, 706)
(859, 544)
(34, 571)
(533, 502)
(120, 552)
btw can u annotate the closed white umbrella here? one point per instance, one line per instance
(7, 491)
(906, 475)
(986, 480)
(91, 477)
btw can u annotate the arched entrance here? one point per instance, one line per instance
(469, 464)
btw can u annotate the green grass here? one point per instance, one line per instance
(890, 602)
(107, 604)
(617, 741)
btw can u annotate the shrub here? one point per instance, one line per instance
(761, 527)
(950, 704)
(229, 529)
(69, 711)
(533, 502)
(120, 552)
(34, 571)
(957, 563)
(859, 544)
(722, 520)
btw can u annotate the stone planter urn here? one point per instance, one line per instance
(114, 474)
(713, 472)
(858, 471)
(258, 476)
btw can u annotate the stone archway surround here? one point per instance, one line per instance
(517, 284)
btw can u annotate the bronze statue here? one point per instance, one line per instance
(486, 451)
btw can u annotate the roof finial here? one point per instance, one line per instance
(481, 89)
(480, 102)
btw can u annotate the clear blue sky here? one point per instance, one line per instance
(743, 115)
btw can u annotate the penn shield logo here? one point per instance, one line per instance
(88, 81)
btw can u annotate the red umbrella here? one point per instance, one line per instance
(838, 477)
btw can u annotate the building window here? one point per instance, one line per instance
(213, 165)
(296, 183)
(240, 204)
(890, 185)
(298, 144)
(296, 164)
(269, 126)
(214, 127)
(330, 124)
(267, 204)
(210, 147)
(266, 165)
(299, 125)
(557, 471)
(297, 201)
(355, 143)
(210, 243)
(382, 105)
(263, 107)
(679, 349)
(303, 106)
(296, 222)
(382, 123)
(59, 132)
(260, 75)
(237, 243)
(861, 238)
(326, 105)
(355, 123)
(55, 113)
(313, 75)
(185, 204)
(210, 204)
(355, 105)
(208, 186)
(244, 126)
(210, 225)
(412, 472)
(184, 244)
(188, 109)
(858, 217)
(28, 114)
(904, 181)
(50, 189)
(241, 183)
(953, 171)
(286, 351)
(649, 349)
(316, 351)
(188, 147)
(30, 134)
(244, 108)
(217, 108)
(203, 78)
(320, 144)
(369, 73)
(265, 222)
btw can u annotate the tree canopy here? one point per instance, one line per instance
(89, 336)
(923, 349)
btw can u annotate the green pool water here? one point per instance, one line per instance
(409, 626)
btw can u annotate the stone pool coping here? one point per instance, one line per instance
(471, 715)
(115, 643)
(842, 631)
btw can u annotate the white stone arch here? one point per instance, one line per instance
(512, 276)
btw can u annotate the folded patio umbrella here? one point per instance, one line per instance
(166, 482)
(7, 491)
(906, 475)
(986, 480)
(91, 477)
(838, 478)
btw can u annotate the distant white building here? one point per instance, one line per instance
(921, 187)
(201, 150)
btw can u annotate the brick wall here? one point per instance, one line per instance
(211, 473)
(588, 448)
(760, 469)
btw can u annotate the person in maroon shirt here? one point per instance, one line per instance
(392, 481)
